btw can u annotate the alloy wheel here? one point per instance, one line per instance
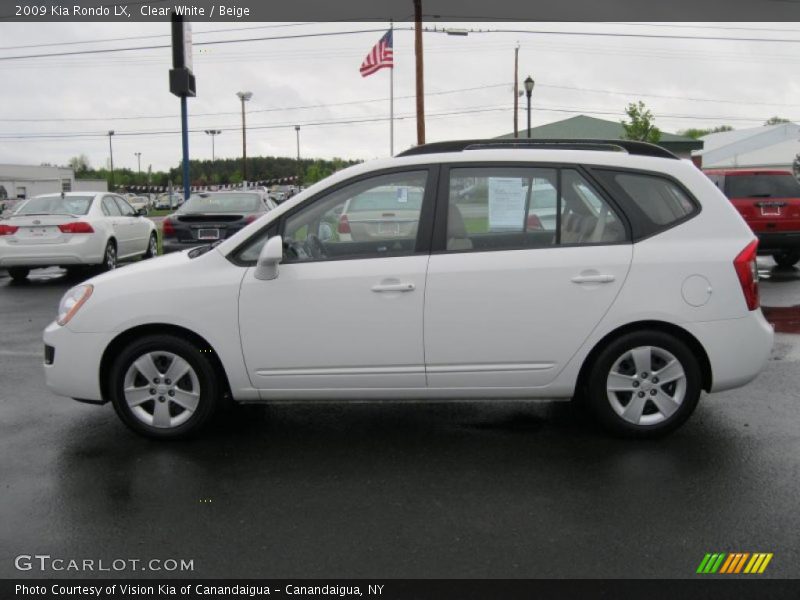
(646, 385)
(161, 389)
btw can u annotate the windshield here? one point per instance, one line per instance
(767, 185)
(221, 203)
(55, 205)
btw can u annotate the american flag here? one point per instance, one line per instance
(379, 57)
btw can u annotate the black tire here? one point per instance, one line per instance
(210, 391)
(599, 398)
(19, 273)
(152, 247)
(109, 257)
(787, 259)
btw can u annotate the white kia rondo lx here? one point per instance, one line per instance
(606, 271)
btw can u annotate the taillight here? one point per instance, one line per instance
(747, 271)
(168, 227)
(344, 225)
(76, 227)
(534, 222)
(8, 229)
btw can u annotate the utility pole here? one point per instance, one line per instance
(420, 86)
(244, 97)
(111, 157)
(213, 133)
(139, 161)
(516, 92)
(297, 130)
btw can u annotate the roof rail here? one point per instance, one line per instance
(629, 146)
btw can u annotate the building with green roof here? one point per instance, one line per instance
(582, 127)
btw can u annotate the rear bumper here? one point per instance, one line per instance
(738, 349)
(81, 250)
(173, 245)
(769, 242)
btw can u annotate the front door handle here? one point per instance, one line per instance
(393, 287)
(593, 278)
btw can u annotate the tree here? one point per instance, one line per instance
(79, 164)
(775, 121)
(642, 124)
(696, 133)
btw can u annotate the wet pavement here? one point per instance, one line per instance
(501, 489)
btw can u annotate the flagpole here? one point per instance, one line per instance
(391, 95)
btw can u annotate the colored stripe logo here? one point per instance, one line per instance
(734, 563)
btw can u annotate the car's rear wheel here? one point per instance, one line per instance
(644, 384)
(19, 273)
(152, 246)
(164, 387)
(786, 259)
(109, 257)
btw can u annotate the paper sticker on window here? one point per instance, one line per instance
(402, 195)
(506, 203)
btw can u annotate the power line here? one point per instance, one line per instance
(251, 111)
(209, 43)
(147, 37)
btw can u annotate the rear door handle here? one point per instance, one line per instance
(593, 279)
(393, 287)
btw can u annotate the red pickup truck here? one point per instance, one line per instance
(769, 201)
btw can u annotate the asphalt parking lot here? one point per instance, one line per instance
(392, 490)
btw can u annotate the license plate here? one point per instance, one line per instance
(389, 228)
(771, 211)
(208, 234)
(36, 232)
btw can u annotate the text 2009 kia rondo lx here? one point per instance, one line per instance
(550, 271)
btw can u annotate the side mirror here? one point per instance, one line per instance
(271, 255)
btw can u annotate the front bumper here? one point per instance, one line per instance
(74, 369)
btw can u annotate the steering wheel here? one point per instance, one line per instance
(315, 247)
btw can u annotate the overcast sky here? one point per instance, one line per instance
(79, 96)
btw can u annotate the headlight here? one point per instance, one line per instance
(72, 301)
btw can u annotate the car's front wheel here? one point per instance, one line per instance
(19, 273)
(786, 259)
(644, 384)
(164, 387)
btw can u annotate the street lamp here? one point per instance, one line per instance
(213, 133)
(244, 97)
(528, 91)
(111, 153)
(139, 161)
(297, 130)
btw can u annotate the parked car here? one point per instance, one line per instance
(769, 201)
(211, 216)
(645, 294)
(72, 230)
(140, 204)
(165, 201)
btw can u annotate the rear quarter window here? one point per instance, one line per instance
(652, 202)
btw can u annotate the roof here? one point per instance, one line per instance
(766, 146)
(584, 127)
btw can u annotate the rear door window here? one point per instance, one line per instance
(652, 202)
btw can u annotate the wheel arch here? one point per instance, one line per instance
(692, 342)
(121, 340)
